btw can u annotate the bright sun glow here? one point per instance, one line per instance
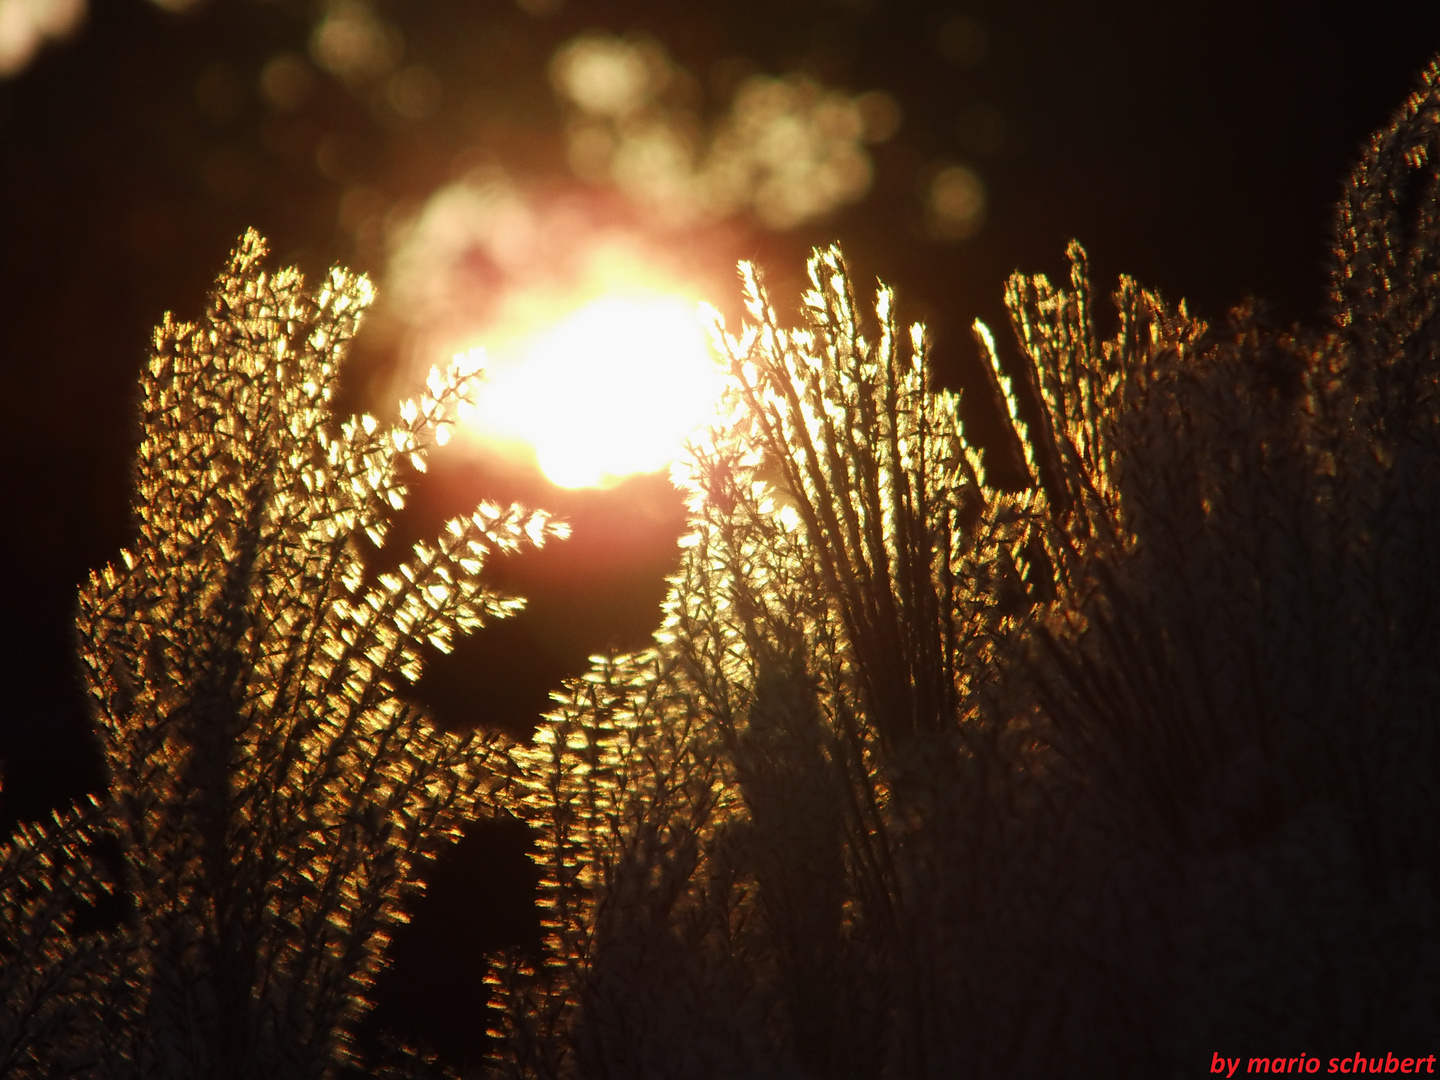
(612, 389)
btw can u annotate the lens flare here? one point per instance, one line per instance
(610, 390)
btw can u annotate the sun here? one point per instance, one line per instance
(608, 390)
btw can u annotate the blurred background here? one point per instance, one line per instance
(558, 182)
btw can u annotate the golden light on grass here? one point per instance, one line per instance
(611, 388)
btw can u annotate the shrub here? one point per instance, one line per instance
(272, 791)
(926, 777)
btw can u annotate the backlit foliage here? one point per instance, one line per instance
(44, 975)
(271, 789)
(723, 823)
(924, 777)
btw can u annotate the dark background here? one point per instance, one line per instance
(1198, 147)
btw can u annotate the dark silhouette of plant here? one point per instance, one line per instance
(924, 777)
(45, 972)
(271, 789)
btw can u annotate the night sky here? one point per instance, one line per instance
(1197, 147)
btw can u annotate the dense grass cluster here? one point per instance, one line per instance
(271, 788)
(926, 777)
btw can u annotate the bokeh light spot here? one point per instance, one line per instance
(787, 150)
(286, 82)
(354, 44)
(413, 92)
(604, 76)
(25, 25)
(955, 203)
(962, 41)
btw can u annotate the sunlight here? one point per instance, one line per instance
(609, 390)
